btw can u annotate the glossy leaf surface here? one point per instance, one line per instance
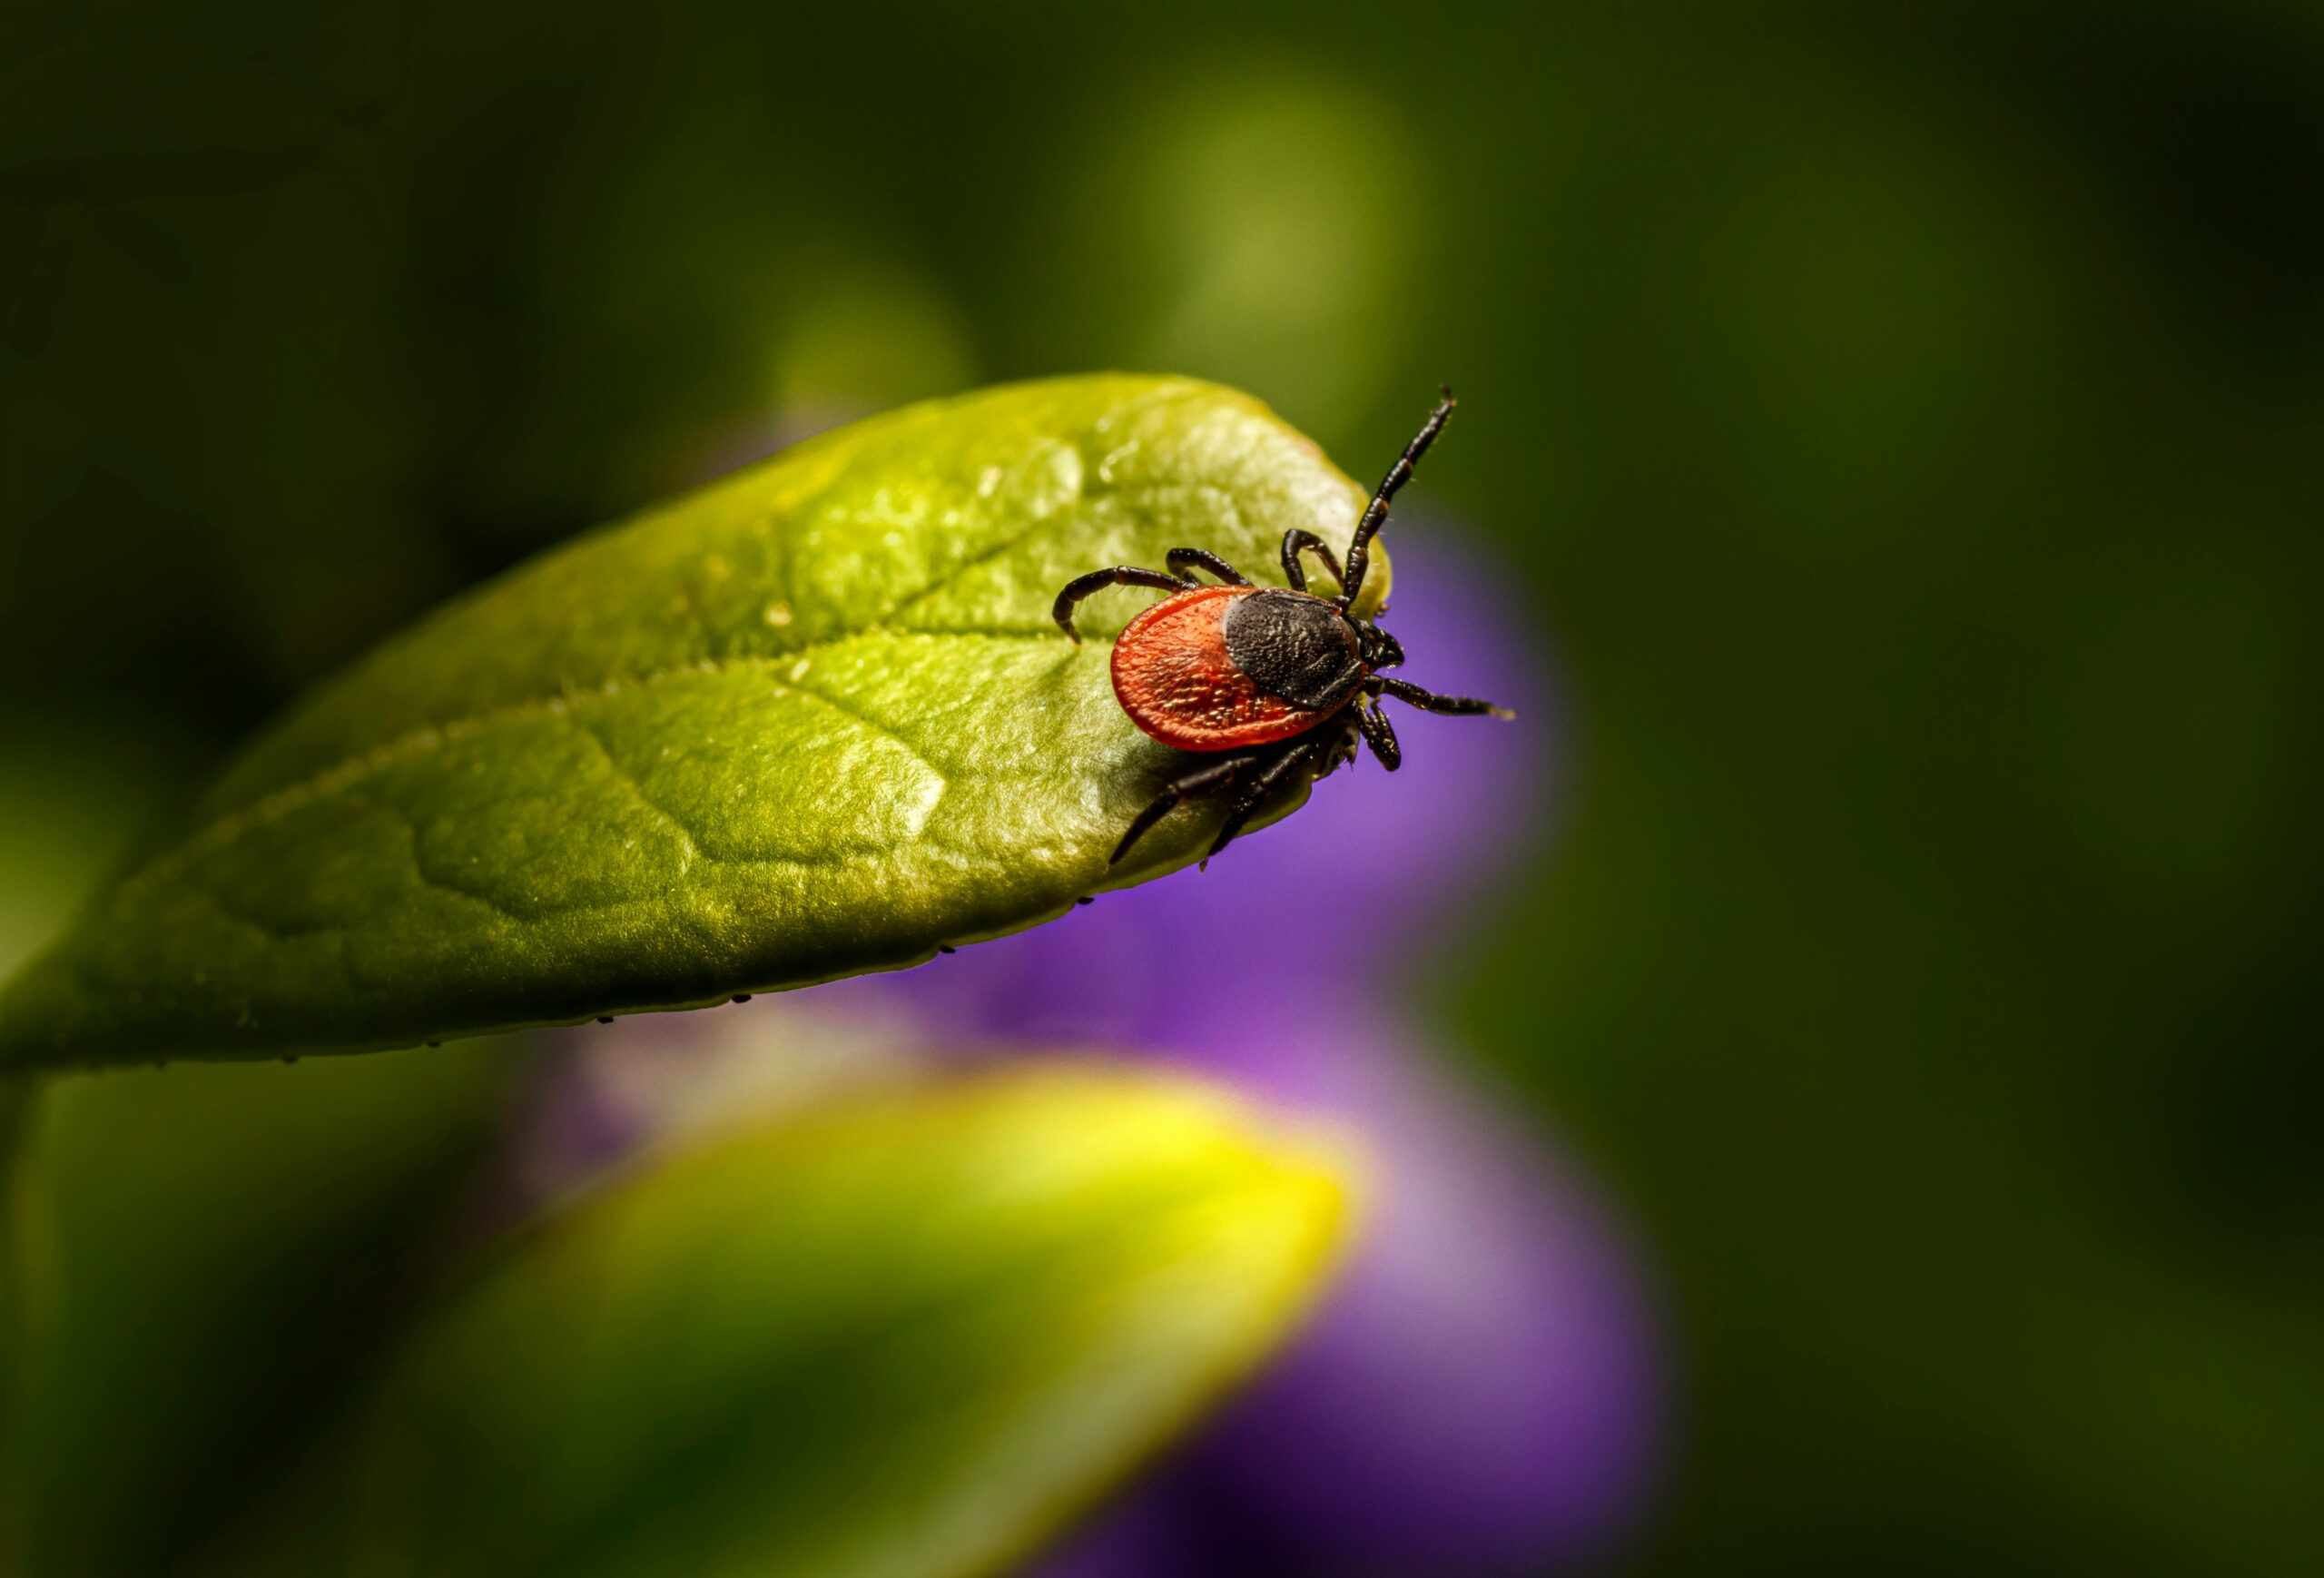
(809, 720)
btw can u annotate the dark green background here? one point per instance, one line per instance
(1910, 420)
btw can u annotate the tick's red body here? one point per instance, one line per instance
(1177, 680)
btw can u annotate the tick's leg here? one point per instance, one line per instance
(1191, 781)
(1380, 735)
(1298, 539)
(1428, 701)
(1178, 559)
(1268, 777)
(1081, 587)
(1375, 514)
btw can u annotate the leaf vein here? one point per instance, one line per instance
(690, 846)
(1014, 541)
(863, 719)
(273, 807)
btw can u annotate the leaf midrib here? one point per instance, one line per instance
(352, 770)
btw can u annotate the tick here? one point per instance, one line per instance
(1261, 682)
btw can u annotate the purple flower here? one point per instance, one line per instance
(1478, 1394)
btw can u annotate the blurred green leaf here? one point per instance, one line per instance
(907, 1338)
(18, 1100)
(212, 1255)
(809, 720)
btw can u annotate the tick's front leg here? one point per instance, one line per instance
(1428, 701)
(1179, 559)
(1097, 581)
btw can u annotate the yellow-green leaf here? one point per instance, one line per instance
(810, 721)
(908, 1337)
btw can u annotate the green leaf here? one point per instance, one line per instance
(218, 1252)
(910, 1337)
(810, 721)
